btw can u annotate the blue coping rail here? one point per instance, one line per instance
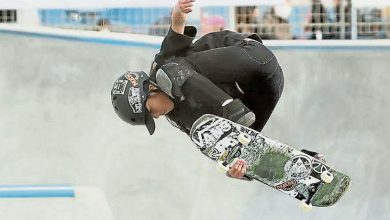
(36, 191)
(129, 43)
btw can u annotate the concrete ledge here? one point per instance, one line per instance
(122, 39)
(125, 39)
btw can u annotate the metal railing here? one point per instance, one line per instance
(8, 16)
(339, 20)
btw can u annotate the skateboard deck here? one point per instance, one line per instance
(271, 162)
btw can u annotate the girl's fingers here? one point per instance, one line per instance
(185, 1)
(187, 10)
(238, 169)
(184, 6)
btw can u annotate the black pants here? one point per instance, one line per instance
(248, 71)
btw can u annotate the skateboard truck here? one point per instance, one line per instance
(222, 165)
(326, 177)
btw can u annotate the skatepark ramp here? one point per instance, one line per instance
(48, 202)
(58, 126)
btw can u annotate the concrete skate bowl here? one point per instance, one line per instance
(58, 126)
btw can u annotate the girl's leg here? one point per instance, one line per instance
(255, 70)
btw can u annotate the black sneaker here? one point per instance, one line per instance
(237, 112)
(316, 155)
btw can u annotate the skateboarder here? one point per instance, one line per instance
(225, 73)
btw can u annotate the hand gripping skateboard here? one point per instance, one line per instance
(271, 162)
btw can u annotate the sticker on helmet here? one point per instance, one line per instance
(135, 99)
(133, 78)
(119, 87)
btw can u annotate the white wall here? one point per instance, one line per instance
(28, 17)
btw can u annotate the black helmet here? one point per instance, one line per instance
(128, 97)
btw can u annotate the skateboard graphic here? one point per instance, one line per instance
(273, 163)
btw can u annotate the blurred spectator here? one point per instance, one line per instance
(346, 20)
(328, 23)
(378, 27)
(212, 23)
(247, 19)
(318, 20)
(283, 10)
(386, 18)
(373, 26)
(103, 24)
(275, 27)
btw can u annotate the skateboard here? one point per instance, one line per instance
(271, 162)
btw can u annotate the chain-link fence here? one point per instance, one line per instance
(317, 19)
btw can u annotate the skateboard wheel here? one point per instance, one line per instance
(244, 139)
(304, 206)
(221, 168)
(327, 177)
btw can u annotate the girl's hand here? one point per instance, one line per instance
(184, 6)
(238, 169)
